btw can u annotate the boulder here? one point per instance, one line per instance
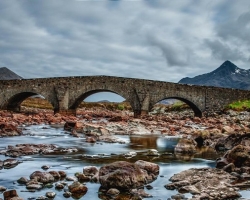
(211, 183)
(185, 146)
(124, 175)
(11, 195)
(77, 189)
(43, 177)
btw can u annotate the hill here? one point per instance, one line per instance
(228, 75)
(6, 74)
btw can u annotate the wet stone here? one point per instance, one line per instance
(23, 180)
(50, 194)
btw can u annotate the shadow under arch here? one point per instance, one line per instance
(14, 103)
(79, 99)
(196, 110)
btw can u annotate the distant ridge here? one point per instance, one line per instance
(6, 74)
(228, 75)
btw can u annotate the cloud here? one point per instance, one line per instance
(159, 40)
(175, 54)
(223, 51)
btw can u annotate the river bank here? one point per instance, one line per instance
(99, 126)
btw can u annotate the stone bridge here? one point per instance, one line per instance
(66, 93)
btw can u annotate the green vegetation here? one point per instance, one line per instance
(239, 105)
(37, 103)
(179, 105)
(44, 104)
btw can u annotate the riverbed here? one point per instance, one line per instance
(98, 154)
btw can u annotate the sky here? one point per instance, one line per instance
(164, 40)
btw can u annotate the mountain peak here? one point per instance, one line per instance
(227, 65)
(7, 74)
(227, 75)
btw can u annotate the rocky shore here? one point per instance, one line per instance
(228, 133)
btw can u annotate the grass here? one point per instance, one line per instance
(44, 104)
(37, 103)
(177, 106)
(239, 105)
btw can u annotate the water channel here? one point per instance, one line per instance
(97, 154)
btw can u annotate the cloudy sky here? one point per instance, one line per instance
(151, 39)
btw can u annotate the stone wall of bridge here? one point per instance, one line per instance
(66, 93)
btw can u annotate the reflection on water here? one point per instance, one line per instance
(98, 154)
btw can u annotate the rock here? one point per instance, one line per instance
(227, 143)
(2, 188)
(71, 178)
(43, 177)
(42, 198)
(10, 163)
(50, 195)
(1, 164)
(200, 136)
(34, 186)
(210, 182)
(113, 192)
(29, 149)
(227, 129)
(90, 139)
(67, 194)
(74, 133)
(140, 192)
(62, 174)
(151, 168)
(82, 178)
(55, 174)
(185, 146)
(125, 175)
(90, 171)
(239, 156)
(22, 180)
(11, 195)
(45, 167)
(229, 168)
(178, 196)
(130, 154)
(73, 125)
(77, 189)
(152, 152)
(59, 186)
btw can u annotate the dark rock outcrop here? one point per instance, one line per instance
(227, 75)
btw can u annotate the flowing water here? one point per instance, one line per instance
(97, 154)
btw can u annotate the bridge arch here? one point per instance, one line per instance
(14, 101)
(193, 106)
(86, 94)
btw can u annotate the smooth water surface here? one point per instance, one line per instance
(97, 154)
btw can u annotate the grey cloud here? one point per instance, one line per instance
(236, 29)
(223, 51)
(175, 54)
(124, 38)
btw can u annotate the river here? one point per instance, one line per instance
(97, 154)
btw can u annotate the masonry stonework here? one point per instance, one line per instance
(66, 93)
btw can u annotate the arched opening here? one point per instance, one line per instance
(101, 100)
(176, 104)
(29, 102)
